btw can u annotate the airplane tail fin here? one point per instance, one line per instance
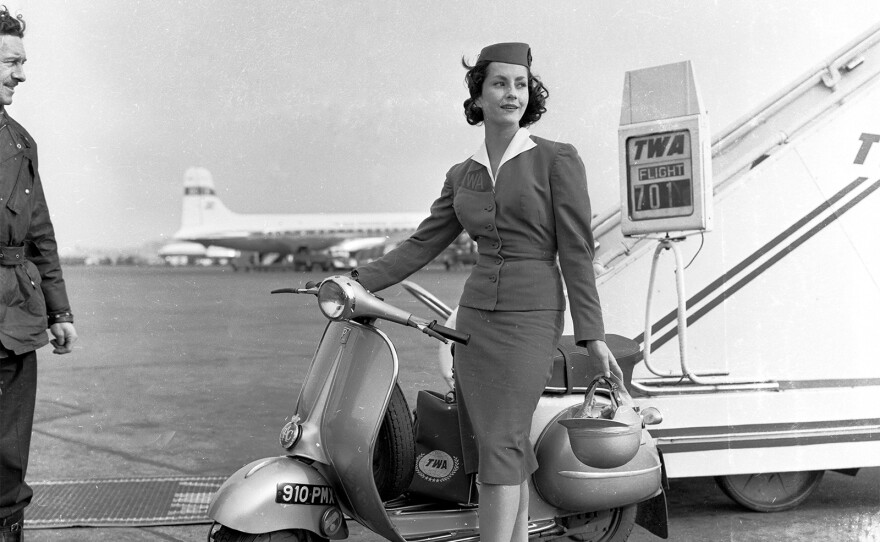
(201, 206)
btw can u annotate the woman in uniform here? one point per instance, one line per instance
(524, 200)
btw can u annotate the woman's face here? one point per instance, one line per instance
(505, 94)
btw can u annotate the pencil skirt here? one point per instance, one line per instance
(499, 377)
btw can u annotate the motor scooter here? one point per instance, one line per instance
(349, 453)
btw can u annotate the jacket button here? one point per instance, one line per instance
(489, 207)
(493, 278)
(498, 261)
(489, 227)
(27, 190)
(495, 244)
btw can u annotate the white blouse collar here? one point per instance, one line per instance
(520, 143)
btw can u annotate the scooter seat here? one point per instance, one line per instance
(574, 369)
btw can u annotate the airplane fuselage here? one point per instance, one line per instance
(207, 221)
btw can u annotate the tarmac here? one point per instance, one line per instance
(842, 509)
(185, 372)
(193, 373)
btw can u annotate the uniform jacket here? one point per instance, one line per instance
(31, 289)
(536, 209)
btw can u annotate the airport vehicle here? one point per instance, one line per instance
(349, 452)
(328, 260)
(275, 237)
(325, 260)
(461, 253)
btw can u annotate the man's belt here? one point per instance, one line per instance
(10, 256)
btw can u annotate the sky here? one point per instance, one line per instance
(356, 106)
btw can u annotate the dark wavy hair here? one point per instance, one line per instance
(9, 25)
(474, 79)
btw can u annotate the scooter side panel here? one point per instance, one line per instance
(358, 398)
(566, 483)
(247, 501)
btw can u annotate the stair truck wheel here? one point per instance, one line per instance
(770, 491)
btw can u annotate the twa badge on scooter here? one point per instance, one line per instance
(350, 451)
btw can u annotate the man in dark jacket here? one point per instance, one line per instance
(32, 291)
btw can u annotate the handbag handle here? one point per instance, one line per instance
(613, 387)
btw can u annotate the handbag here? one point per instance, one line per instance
(440, 463)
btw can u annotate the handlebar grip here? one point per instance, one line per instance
(451, 334)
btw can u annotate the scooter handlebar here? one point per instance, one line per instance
(357, 302)
(439, 332)
(449, 333)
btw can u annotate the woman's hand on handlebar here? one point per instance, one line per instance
(599, 350)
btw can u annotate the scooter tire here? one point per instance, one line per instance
(615, 527)
(226, 534)
(394, 457)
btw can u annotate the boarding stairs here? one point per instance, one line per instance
(742, 147)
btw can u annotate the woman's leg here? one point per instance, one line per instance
(521, 526)
(504, 513)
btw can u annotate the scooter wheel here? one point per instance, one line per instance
(299, 535)
(394, 456)
(613, 525)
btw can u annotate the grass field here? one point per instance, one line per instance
(191, 371)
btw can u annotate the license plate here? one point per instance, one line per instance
(303, 494)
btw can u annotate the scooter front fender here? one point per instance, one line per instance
(276, 494)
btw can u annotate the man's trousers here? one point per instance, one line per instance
(18, 393)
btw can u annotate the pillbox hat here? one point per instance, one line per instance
(509, 53)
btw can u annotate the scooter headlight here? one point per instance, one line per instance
(333, 300)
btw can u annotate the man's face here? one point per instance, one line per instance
(12, 59)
